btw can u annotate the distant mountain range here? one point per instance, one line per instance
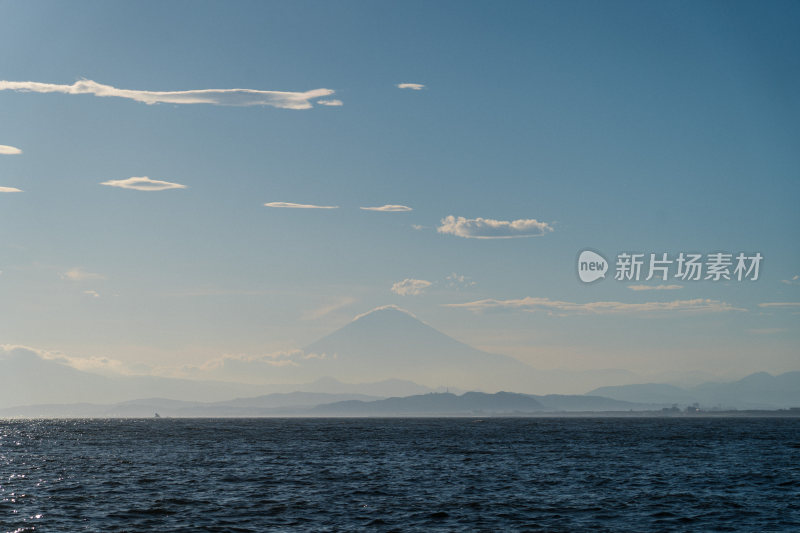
(27, 378)
(323, 405)
(390, 352)
(756, 391)
(387, 352)
(286, 404)
(475, 403)
(645, 398)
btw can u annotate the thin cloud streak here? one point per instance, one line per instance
(388, 208)
(223, 97)
(779, 304)
(487, 228)
(251, 367)
(143, 183)
(9, 150)
(529, 304)
(328, 309)
(290, 205)
(331, 103)
(412, 86)
(10, 189)
(79, 274)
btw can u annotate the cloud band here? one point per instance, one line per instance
(225, 97)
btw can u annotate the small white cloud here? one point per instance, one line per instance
(655, 287)
(458, 281)
(780, 304)
(388, 208)
(410, 287)
(418, 227)
(529, 304)
(10, 189)
(9, 150)
(143, 183)
(78, 274)
(224, 97)
(412, 86)
(487, 228)
(794, 280)
(331, 103)
(93, 294)
(290, 205)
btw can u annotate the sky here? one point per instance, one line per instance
(185, 180)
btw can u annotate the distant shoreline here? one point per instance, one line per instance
(777, 413)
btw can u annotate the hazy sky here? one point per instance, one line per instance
(616, 126)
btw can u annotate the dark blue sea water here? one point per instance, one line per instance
(657, 474)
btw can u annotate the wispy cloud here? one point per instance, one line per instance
(102, 365)
(529, 304)
(143, 183)
(412, 86)
(225, 97)
(655, 287)
(458, 281)
(250, 368)
(79, 274)
(487, 228)
(388, 208)
(410, 287)
(290, 205)
(794, 280)
(9, 150)
(10, 189)
(271, 359)
(327, 309)
(331, 103)
(418, 227)
(93, 294)
(780, 304)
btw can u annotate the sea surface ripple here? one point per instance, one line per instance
(510, 474)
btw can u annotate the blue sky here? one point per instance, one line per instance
(623, 126)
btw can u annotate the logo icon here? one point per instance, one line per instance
(591, 266)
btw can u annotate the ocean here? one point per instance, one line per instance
(456, 474)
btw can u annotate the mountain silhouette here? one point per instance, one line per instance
(756, 391)
(389, 342)
(436, 404)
